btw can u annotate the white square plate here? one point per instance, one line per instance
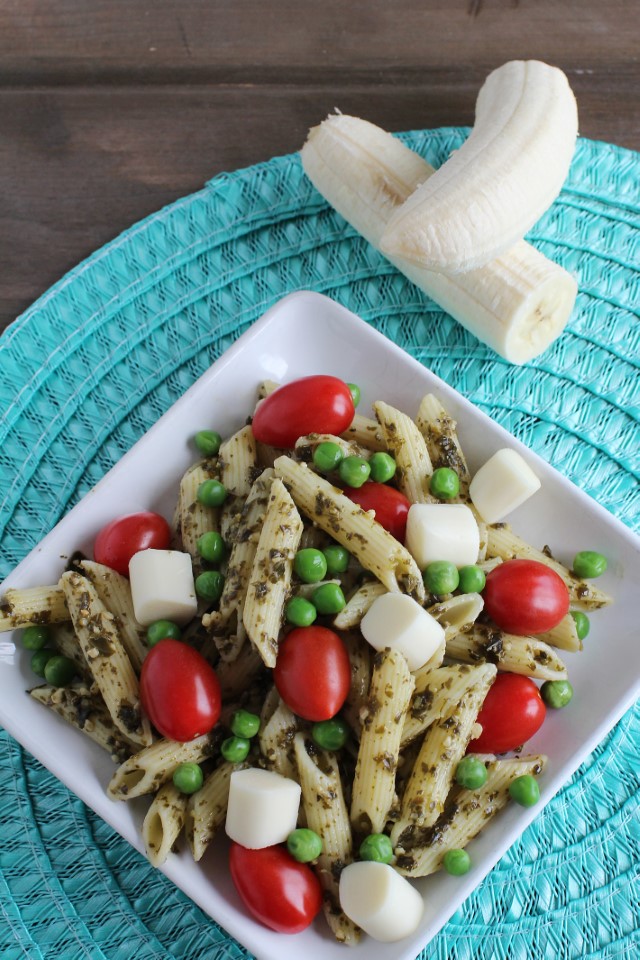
(306, 333)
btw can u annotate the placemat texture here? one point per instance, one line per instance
(107, 350)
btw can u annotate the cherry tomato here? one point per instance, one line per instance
(390, 505)
(512, 712)
(313, 672)
(279, 891)
(179, 691)
(119, 540)
(525, 597)
(316, 404)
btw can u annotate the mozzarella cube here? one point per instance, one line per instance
(262, 809)
(162, 586)
(504, 482)
(379, 900)
(442, 531)
(397, 621)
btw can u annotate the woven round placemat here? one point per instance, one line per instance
(107, 350)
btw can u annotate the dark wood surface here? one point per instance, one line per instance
(110, 109)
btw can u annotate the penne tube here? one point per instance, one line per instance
(564, 635)
(65, 641)
(195, 517)
(467, 813)
(457, 613)
(85, 710)
(305, 446)
(503, 543)
(207, 809)
(270, 576)
(375, 779)
(115, 592)
(366, 433)
(439, 432)
(406, 443)
(163, 823)
(276, 741)
(528, 656)
(442, 749)
(326, 814)
(26, 606)
(104, 651)
(353, 527)
(360, 659)
(146, 771)
(437, 690)
(238, 461)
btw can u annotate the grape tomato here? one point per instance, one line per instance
(317, 404)
(179, 690)
(313, 672)
(525, 597)
(391, 507)
(512, 712)
(117, 542)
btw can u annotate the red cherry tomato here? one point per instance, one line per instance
(525, 597)
(512, 712)
(179, 690)
(313, 672)
(316, 404)
(280, 892)
(119, 540)
(390, 505)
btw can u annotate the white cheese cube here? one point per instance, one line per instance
(397, 621)
(262, 809)
(442, 531)
(379, 900)
(504, 482)
(162, 586)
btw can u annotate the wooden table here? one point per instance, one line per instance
(110, 109)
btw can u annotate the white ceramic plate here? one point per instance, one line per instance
(303, 334)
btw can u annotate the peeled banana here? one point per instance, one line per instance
(486, 196)
(517, 304)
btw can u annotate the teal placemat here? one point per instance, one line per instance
(107, 350)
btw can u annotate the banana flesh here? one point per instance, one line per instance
(517, 304)
(491, 191)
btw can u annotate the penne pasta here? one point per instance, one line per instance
(366, 433)
(503, 543)
(66, 643)
(457, 613)
(104, 651)
(374, 783)
(237, 460)
(442, 749)
(528, 656)
(360, 655)
(437, 690)
(26, 606)
(270, 576)
(564, 635)
(326, 814)
(115, 593)
(467, 813)
(443, 446)
(163, 823)
(406, 443)
(195, 517)
(358, 604)
(305, 446)
(146, 771)
(207, 809)
(353, 527)
(276, 741)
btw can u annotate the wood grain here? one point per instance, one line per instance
(110, 110)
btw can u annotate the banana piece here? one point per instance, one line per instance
(492, 190)
(517, 304)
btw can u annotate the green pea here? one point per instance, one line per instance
(354, 390)
(382, 466)
(209, 585)
(310, 565)
(235, 749)
(40, 659)
(212, 493)
(245, 724)
(582, 623)
(59, 671)
(525, 790)
(187, 777)
(441, 577)
(330, 734)
(337, 558)
(162, 630)
(354, 471)
(588, 564)
(471, 773)
(377, 847)
(327, 456)
(304, 845)
(444, 483)
(329, 598)
(210, 546)
(35, 638)
(556, 693)
(472, 579)
(208, 442)
(300, 612)
(456, 862)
